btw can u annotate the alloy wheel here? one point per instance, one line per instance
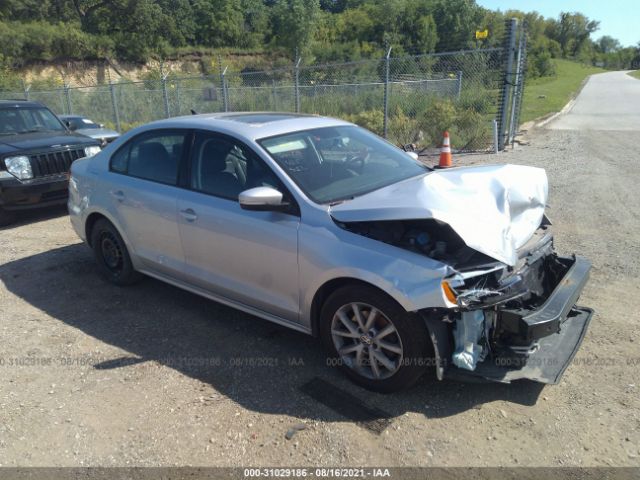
(366, 340)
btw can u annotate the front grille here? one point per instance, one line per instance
(54, 163)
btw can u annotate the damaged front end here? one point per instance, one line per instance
(511, 300)
(518, 322)
(508, 322)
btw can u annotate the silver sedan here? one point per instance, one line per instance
(321, 226)
(85, 126)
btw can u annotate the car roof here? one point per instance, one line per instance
(20, 103)
(251, 125)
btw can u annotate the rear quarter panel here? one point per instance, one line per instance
(89, 187)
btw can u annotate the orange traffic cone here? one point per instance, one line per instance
(445, 152)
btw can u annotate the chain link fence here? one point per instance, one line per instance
(475, 94)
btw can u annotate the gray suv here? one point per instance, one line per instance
(321, 226)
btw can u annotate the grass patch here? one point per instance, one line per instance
(635, 74)
(549, 94)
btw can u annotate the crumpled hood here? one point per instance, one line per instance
(495, 209)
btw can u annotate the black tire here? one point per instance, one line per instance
(412, 337)
(111, 254)
(6, 218)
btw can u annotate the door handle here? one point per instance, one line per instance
(118, 195)
(189, 215)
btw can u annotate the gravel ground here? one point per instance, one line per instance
(92, 374)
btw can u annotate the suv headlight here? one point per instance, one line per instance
(91, 151)
(19, 167)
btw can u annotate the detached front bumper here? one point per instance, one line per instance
(531, 343)
(546, 365)
(531, 325)
(41, 192)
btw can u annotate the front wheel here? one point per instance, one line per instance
(374, 340)
(111, 254)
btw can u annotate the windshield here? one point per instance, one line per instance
(14, 120)
(339, 163)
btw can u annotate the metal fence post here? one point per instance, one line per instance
(25, 89)
(114, 105)
(165, 96)
(178, 106)
(225, 97)
(275, 96)
(385, 126)
(459, 83)
(519, 88)
(495, 136)
(510, 47)
(297, 84)
(516, 91)
(67, 98)
(223, 90)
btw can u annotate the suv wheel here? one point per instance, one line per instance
(112, 257)
(6, 218)
(374, 340)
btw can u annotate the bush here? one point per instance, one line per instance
(541, 65)
(124, 126)
(9, 80)
(371, 120)
(404, 129)
(439, 115)
(470, 131)
(477, 100)
(23, 42)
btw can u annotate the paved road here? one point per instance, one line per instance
(609, 101)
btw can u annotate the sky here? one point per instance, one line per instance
(619, 19)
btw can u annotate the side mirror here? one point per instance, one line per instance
(262, 199)
(413, 155)
(69, 125)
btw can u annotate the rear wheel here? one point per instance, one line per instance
(374, 340)
(6, 218)
(111, 254)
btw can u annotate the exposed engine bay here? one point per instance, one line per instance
(429, 237)
(482, 281)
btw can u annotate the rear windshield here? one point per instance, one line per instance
(17, 120)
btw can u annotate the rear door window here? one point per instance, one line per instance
(153, 156)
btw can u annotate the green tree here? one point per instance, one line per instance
(256, 22)
(219, 22)
(457, 21)
(354, 25)
(25, 10)
(607, 44)
(181, 21)
(572, 32)
(423, 35)
(294, 23)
